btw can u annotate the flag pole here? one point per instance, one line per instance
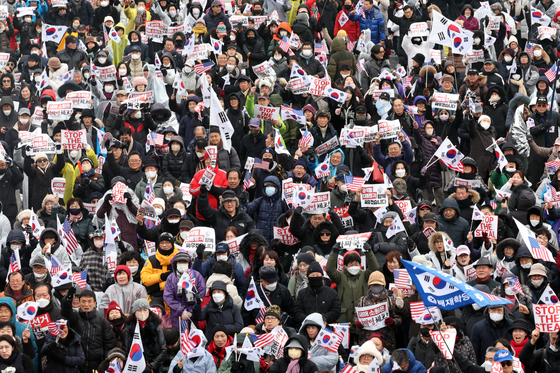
(552, 100)
(436, 327)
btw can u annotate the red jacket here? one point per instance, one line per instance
(351, 28)
(219, 355)
(220, 181)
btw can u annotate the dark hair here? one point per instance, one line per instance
(400, 356)
(236, 171)
(543, 231)
(407, 7)
(11, 341)
(125, 131)
(520, 173)
(75, 199)
(129, 255)
(88, 294)
(272, 255)
(200, 143)
(13, 273)
(10, 324)
(134, 152)
(462, 187)
(504, 343)
(41, 284)
(169, 39)
(278, 50)
(292, 58)
(223, 268)
(352, 257)
(394, 255)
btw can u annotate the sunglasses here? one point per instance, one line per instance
(327, 234)
(42, 160)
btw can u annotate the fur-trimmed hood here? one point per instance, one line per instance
(511, 242)
(475, 196)
(432, 240)
(545, 57)
(430, 69)
(481, 80)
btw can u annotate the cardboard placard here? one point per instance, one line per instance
(471, 184)
(73, 140)
(353, 241)
(389, 129)
(317, 86)
(285, 236)
(546, 32)
(233, 244)
(3, 12)
(212, 151)
(474, 56)
(80, 99)
(374, 196)
(494, 23)
(287, 190)
(436, 56)
(418, 29)
(37, 116)
(207, 178)
(59, 110)
(405, 206)
(147, 96)
(327, 146)
(299, 85)
(266, 112)
(263, 69)
(488, 225)
(118, 193)
(445, 101)
(154, 30)
(445, 341)
(107, 74)
(4, 58)
(42, 144)
(320, 203)
(547, 317)
(58, 186)
(199, 52)
(200, 235)
(373, 317)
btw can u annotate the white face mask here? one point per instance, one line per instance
(343, 188)
(151, 174)
(307, 52)
(271, 287)
(173, 13)
(508, 291)
(182, 267)
(173, 221)
(221, 258)
(175, 147)
(135, 56)
(230, 67)
(507, 58)
(182, 212)
(39, 276)
(534, 223)
(133, 270)
(168, 190)
(537, 283)
(138, 115)
(485, 125)
(444, 117)
(141, 8)
(184, 234)
(400, 172)
(86, 75)
(23, 120)
(526, 265)
(158, 211)
(218, 297)
(142, 316)
(104, 3)
(43, 302)
(510, 169)
(109, 89)
(496, 317)
(74, 153)
(7, 112)
(196, 12)
(477, 40)
(188, 70)
(277, 57)
(354, 270)
(122, 72)
(102, 59)
(537, 53)
(429, 132)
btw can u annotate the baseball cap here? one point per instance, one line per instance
(463, 249)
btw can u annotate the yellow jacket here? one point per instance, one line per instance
(131, 15)
(118, 49)
(151, 276)
(70, 173)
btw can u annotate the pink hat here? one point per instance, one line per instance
(463, 249)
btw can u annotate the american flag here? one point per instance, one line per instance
(184, 325)
(417, 309)
(247, 183)
(14, 265)
(55, 327)
(539, 251)
(493, 204)
(262, 340)
(360, 66)
(203, 67)
(320, 47)
(158, 138)
(402, 279)
(186, 344)
(306, 138)
(259, 163)
(284, 45)
(260, 316)
(407, 81)
(149, 194)
(353, 182)
(80, 279)
(529, 48)
(552, 166)
(55, 265)
(551, 73)
(71, 241)
(514, 285)
(348, 369)
(350, 45)
(106, 34)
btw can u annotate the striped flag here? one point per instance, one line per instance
(551, 73)
(514, 285)
(259, 163)
(529, 48)
(284, 44)
(348, 369)
(320, 47)
(149, 194)
(360, 66)
(537, 250)
(71, 241)
(407, 81)
(55, 265)
(552, 166)
(350, 45)
(306, 138)
(260, 317)
(80, 279)
(157, 138)
(106, 34)
(247, 183)
(55, 327)
(402, 279)
(328, 339)
(353, 182)
(262, 340)
(493, 204)
(203, 67)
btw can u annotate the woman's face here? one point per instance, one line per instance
(25, 221)
(393, 264)
(517, 179)
(348, 81)
(6, 350)
(325, 235)
(308, 115)
(303, 268)
(75, 205)
(378, 344)
(428, 127)
(48, 206)
(509, 251)
(220, 339)
(230, 236)
(122, 278)
(268, 261)
(467, 12)
(25, 93)
(271, 322)
(366, 359)
(519, 335)
(439, 245)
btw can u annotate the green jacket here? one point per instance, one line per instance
(350, 287)
(340, 56)
(499, 179)
(250, 106)
(81, 229)
(225, 367)
(140, 189)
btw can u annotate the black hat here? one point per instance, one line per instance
(149, 161)
(135, 48)
(484, 261)
(35, 57)
(362, 109)
(70, 39)
(345, 67)
(87, 113)
(314, 267)
(385, 96)
(430, 216)
(488, 61)
(542, 100)
(420, 58)
(243, 78)
(305, 257)
(219, 285)
(472, 72)
(228, 194)
(520, 324)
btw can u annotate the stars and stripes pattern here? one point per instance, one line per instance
(106, 34)
(552, 166)
(529, 48)
(284, 44)
(350, 45)
(402, 279)
(353, 182)
(493, 204)
(539, 251)
(70, 237)
(262, 340)
(360, 66)
(203, 67)
(158, 138)
(149, 194)
(515, 285)
(80, 279)
(551, 73)
(348, 369)
(306, 138)
(260, 317)
(247, 183)
(320, 48)
(56, 266)
(259, 163)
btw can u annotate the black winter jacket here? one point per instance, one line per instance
(228, 315)
(324, 301)
(305, 365)
(8, 186)
(172, 166)
(153, 340)
(280, 297)
(220, 219)
(40, 182)
(65, 355)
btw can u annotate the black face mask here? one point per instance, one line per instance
(257, 11)
(74, 211)
(2, 171)
(315, 282)
(179, 43)
(348, 7)
(117, 322)
(251, 40)
(425, 332)
(81, 34)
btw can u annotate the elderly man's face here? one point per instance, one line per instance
(394, 150)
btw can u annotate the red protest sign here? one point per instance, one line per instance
(488, 225)
(547, 317)
(285, 236)
(73, 140)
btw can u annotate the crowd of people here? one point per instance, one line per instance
(230, 182)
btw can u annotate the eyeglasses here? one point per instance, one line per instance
(326, 234)
(42, 160)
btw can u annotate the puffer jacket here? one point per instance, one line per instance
(323, 358)
(305, 364)
(350, 287)
(267, 210)
(155, 266)
(82, 229)
(245, 255)
(153, 339)
(175, 300)
(96, 332)
(172, 164)
(373, 21)
(457, 228)
(498, 111)
(414, 366)
(71, 350)
(39, 181)
(72, 58)
(202, 364)
(543, 360)
(324, 301)
(280, 297)
(340, 56)
(425, 142)
(311, 66)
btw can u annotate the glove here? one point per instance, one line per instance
(400, 303)
(164, 276)
(164, 72)
(8, 161)
(263, 364)
(57, 355)
(299, 211)
(71, 292)
(27, 150)
(376, 248)
(59, 149)
(29, 230)
(389, 321)
(108, 197)
(485, 238)
(423, 171)
(283, 82)
(128, 199)
(84, 182)
(122, 109)
(200, 250)
(359, 325)
(332, 212)
(237, 367)
(52, 346)
(198, 297)
(464, 104)
(536, 130)
(203, 190)
(127, 195)
(410, 243)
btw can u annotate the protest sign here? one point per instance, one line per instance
(374, 196)
(73, 140)
(233, 244)
(186, 189)
(389, 129)
(352, 137)
(154, 30)
(471, 184)
(547, 317)
(353, 241)
(59, 110)
(287, 190)
(39, 325)
(299, 85)
(266, 112)
(91, 207)
(408, 292)
(436, 56)
(249, 163)
(418, 29)
(285, 236)
(147, 96)
(237, 19)
(107, 74)
(173, 29)
(118, 193)
(4, 58)
(80, 99)
(3, 12)
(405, 207)
(445, 341)
(37, 116)
(258, 20)
(263, 69)
(342, 212)
(494, 23)
(200, 235)
(373, 317)
(488, 225)
(212, 151)
(148, 211)
(327, 146)
(207, 178)
(376, 93)
(42, 144)
(470, 272)
(545, 32)
(445, 101)
(317, 86)
(199, 52)
(320, 203)
(474, 56)
(58, 186)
